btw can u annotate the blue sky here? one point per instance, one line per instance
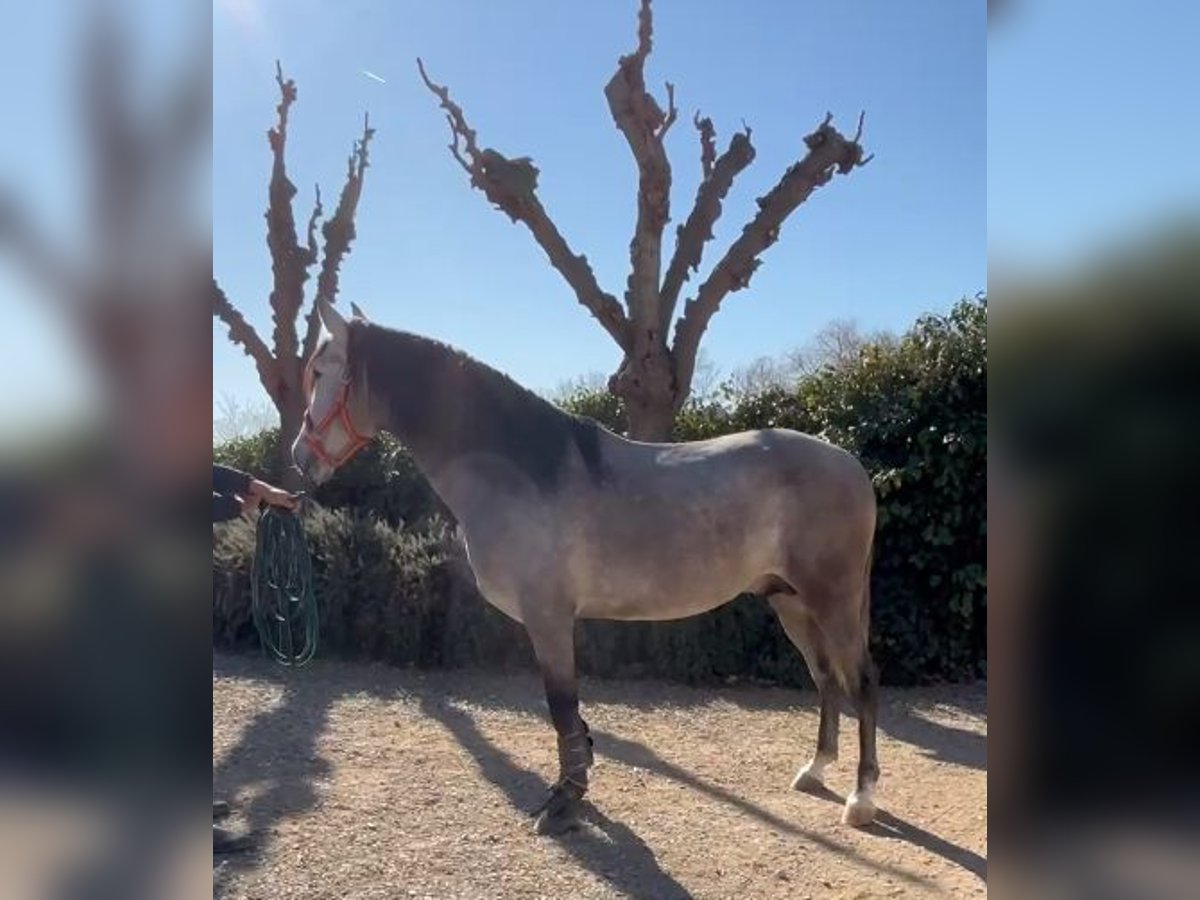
(1086, 134)
(904, 235)
(1093, 135)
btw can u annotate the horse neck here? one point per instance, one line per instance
(405, 377)
(462, 420)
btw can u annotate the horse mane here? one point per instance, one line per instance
(447, 403)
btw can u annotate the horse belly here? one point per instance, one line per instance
(634, 605)
(659, 581)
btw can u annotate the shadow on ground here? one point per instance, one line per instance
(634, 753)
(888, 825)
(912, 724)
(279, 748)
(610, 850)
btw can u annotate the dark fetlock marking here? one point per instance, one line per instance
(868, 775)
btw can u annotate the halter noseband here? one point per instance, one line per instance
(340, 412)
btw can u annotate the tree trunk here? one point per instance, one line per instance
(646, 382)
(290, 419)
(650, 423)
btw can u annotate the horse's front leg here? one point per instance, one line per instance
(554, 645)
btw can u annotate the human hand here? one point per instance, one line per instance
(261, 492)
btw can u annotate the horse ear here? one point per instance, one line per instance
(333, 321)
(358, 313)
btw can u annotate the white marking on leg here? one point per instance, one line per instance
(817, 767)
(813, 774)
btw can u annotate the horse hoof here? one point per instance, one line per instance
(859, 812)
(811, 778)
(557, 821)
(561, 811)
(808, 782)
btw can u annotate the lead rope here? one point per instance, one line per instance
(284, 605)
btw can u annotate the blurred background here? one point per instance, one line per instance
(1094, 632)
(105, 256)
(105, 261)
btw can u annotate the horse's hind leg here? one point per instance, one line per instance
(831, 635)
(806, 637)
(860, 806)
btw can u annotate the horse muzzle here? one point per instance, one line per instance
(315, 470)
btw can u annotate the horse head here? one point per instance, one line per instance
(337, 419)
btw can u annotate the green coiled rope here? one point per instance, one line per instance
(284, 606)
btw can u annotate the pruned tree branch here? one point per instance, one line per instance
(828, 152)
(698, 230)
(312, 328)
(672, 113)
(644, 125)
(289, 261)
(511, 185)
(459, 129)
(317, 213)
(242, 333)
(862, 118)
(708, 142)
(339, 233)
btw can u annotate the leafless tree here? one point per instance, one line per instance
(762, 374)
(704, 381)
(237, 419)
(589, 383)
(281, 365)
(656, 374)
(705, 376)
(838, 344)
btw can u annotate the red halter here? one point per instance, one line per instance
(340, 412)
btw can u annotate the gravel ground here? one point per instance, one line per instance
(371, 782)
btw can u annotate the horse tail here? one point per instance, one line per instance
(865, 609)
(855, 651)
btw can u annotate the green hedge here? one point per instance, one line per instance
(382, 479)
(393, 584)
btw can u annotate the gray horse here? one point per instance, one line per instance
(564, 520)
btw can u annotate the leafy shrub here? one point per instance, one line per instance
(382, 478)
(913, 411)
(257, 454)
(605, 408)
(396, 595)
